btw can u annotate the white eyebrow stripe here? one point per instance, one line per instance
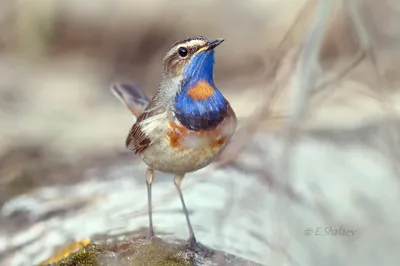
(193, 43)
(188, 44)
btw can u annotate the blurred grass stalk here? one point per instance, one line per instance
(277, 75)
(304, 79)
(35, 26)
(308, 78)
(368, 46)
(306, 71)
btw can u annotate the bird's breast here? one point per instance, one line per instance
(183, 138)
(200, 106)
(177, 149)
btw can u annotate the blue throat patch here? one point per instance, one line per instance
(199, 105)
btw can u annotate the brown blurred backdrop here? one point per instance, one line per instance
(58, 59)
(58, 118)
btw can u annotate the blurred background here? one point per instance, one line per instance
(61, 126)
(58, 59)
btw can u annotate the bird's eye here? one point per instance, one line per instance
(183, 52)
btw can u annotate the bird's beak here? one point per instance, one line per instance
(210, 45)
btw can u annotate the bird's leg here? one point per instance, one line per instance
(149, 180)
(177, 181)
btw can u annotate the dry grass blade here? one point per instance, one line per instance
(363, 28)
(304, 80)
(280, 68)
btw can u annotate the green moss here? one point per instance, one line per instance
(158, 253)
(130, 253)
(87, 256)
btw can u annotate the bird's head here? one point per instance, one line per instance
(198, 104)
(191, 58)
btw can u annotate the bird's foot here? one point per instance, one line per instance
(192, 243)
(196, 247)
(150, 234)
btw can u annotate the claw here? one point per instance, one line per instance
(150, 234)
(192, 243)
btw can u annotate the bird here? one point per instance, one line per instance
(187, 123)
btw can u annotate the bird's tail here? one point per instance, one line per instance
(132, 96)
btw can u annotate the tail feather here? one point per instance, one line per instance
(132, 96)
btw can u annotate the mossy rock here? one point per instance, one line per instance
(143, 252)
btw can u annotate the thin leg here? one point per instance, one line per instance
(177, 181)
(149, 180)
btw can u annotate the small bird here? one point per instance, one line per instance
(187, 123)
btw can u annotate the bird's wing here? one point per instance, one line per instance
(132, 96)
(153, 119)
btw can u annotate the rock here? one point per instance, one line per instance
(340, 197)
(142, 252)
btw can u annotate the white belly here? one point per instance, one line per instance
(161, 157)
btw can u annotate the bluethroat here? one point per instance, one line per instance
(187, 123)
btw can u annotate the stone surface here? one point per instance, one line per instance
(142, 252)
(338, 206)
(340, 200)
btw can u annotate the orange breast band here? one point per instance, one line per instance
(201, 91)
(178, 134)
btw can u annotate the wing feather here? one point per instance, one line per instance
(132, 96)
(145, 111)
(139, 137)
